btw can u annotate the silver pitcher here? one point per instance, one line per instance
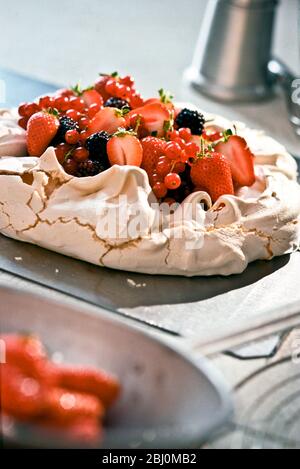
(233, 58)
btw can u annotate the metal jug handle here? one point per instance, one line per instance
(288, 82)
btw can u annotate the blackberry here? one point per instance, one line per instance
(90, 168)
(117, 102)
(96, 145)
(193, 120)
(65, 124)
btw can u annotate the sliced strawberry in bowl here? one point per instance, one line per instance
(154, 116)
(125, 149)
(241, 159)
(109, 119)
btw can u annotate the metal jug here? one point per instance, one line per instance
(233, 58)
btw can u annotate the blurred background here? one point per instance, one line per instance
(64, 41)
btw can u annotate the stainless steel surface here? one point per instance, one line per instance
(168, 400)
(234, 49)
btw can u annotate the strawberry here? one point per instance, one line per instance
(108, 119)
(26, 353)
(154, 116)
(213, 173)
(88, 380)
(21, 396)
(100, 86)
(165, 97)
(91, 96)
(124, 149)
(153, 148)
(240, 158)
(64, 405)
(41, 129)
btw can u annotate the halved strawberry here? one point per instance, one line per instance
(213, 173)
(109, 119)
(241, 159)
(124, 149)
(154, 116)
(41, 129)
(92, 97)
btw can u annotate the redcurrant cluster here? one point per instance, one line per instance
(179, 151)
(123, 88)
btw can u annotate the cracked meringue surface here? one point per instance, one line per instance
(41, 204)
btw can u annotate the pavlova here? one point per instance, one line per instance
(105, 176)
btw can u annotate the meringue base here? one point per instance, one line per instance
(41, 204)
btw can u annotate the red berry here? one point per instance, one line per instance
(123, 91)
(160, 190)
(127, 80)
(83, 136)
(73, 114)
(173, 150)
(31, 109)
(70, 166)
(61, 150)
(93, 109)
(154, 178)
(77, 103)
(61, 103)
(111, 87)
(100, 86)
(46, 102)
(179, 167)
(172, 134)
(65, 92)
(22, 110)
(191, 149)
(72, 136)
(80, 154)
(23, 122)
(136, 100)
(172, 181)
(213, 133)
(185, 134)
(163, 166)
(83, 122)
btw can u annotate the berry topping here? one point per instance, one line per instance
(154, 116)
(213, 173)
(108, 119)
(192, 120)
(117, 103)
(72, 136)
(65, 124)
(96, 145)
(240, 158)
(41, 129)
(125, 149)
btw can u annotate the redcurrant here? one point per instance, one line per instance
(160, 190)
(172, 181)
(80, 154)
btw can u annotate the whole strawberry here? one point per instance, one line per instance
(153, 148)
(41, 129)
(213, 173)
